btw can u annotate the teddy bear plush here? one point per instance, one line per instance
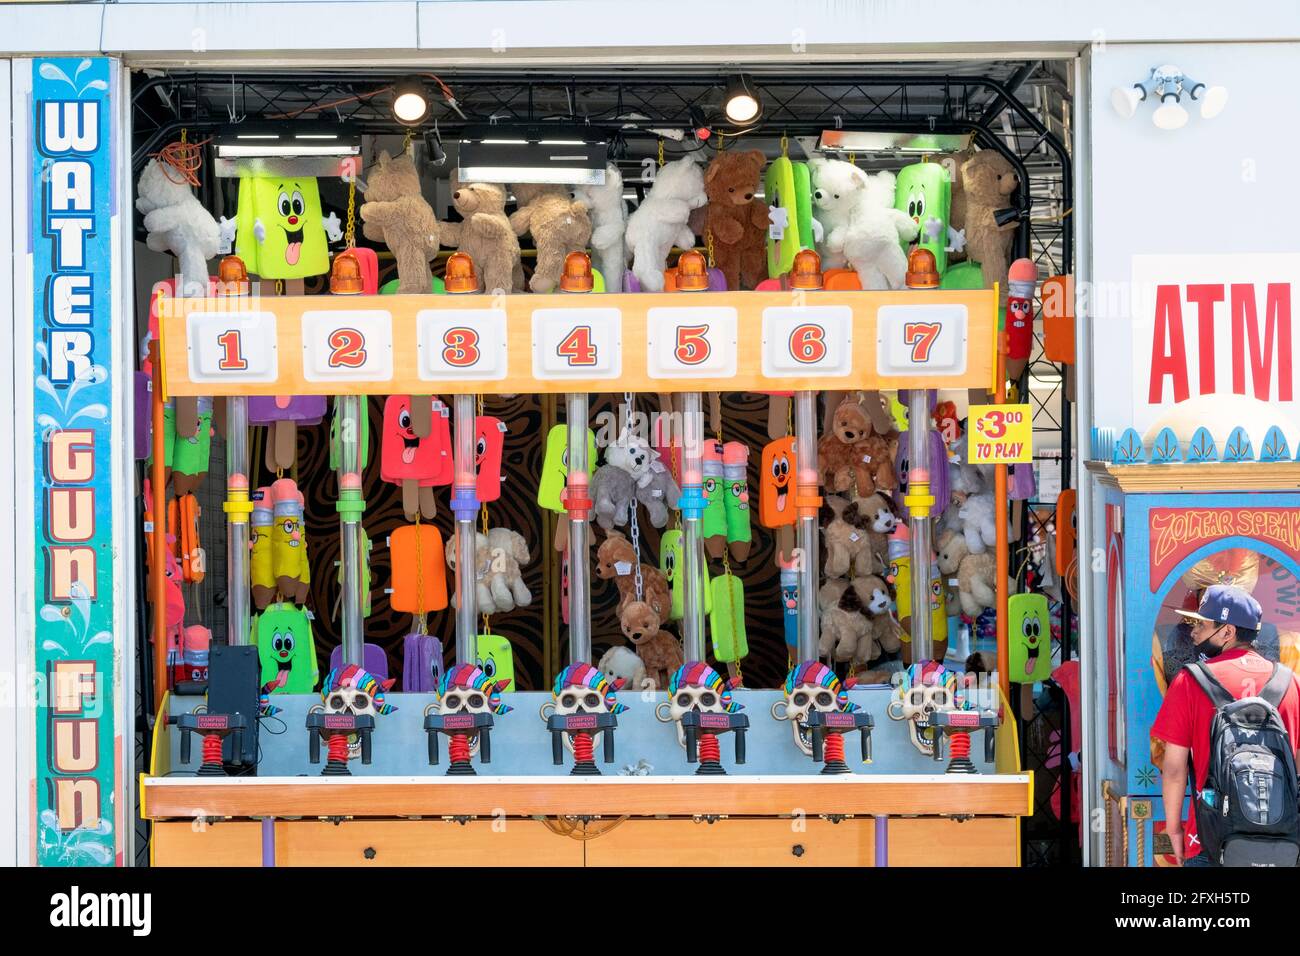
(976, 573)
(658, 649)
(734, 218)
(499, 557)
(659, 493)
(396, 214)
(662, 220)
(558, 224)
(622, 663)
(485, 234)
(860, 226)
(846, 545)
(176, 222)
(853, 455)
(616, 561)
(608, 214)
(874, 518)
(988, 183)
(614, 485)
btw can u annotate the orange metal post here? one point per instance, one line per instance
(1000, 502)
(158, 582)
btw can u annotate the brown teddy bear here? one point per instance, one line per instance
(658, 649)
(559, 225)
(736, 220)
(396, 214)
(485, 235)
(854, 455)
(988, 182)
(616, 561)
(846, 544)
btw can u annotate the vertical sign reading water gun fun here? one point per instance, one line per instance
(72, 207)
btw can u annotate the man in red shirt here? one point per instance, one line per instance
(1224, 629)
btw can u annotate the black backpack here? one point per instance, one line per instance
(1247, 815)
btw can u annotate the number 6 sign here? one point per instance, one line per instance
(807, 340)
(921, 340)
(347, 346)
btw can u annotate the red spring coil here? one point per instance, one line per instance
(212, 749)
(337, 748)
(960, 746)
(459, 748)
(709, 751)
(833, 749)
(582, 748)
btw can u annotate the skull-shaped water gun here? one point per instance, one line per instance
(701, 705)
(352, 697)
(820, 714)
(468, 700)
(584, 708)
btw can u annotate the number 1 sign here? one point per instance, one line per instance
(232, 347)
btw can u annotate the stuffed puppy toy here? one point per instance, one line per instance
(658, 649)
(976, 574)
(608, 214)
(873, 517)
(614, 484)
(558, 224)
(622, 663)
(659, 493)
(616, 561)
(499, 556)
(847, 545)
(870, 595)
(485, 235)
(848, 612)
(873, 241)
(736, 220)
(176, 222)
(964, 480)
(853, 455)
(662, 221)
(396, 214)
(988, 183)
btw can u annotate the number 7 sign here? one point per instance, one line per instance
(913, 340)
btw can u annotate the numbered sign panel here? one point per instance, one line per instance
(347, 346)
(691, 342)
(921, 339)
(577, 344)
(807, 340)
(231, 348)
(462, 344)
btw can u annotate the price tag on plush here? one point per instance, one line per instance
(999, 434)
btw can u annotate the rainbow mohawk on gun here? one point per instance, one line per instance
(472, 677)
(584, 675)
(352, 675)
(819, 675)
(699, 674)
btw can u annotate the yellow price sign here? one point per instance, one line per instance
(1000, 434)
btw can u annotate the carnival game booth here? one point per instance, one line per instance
(366, 445)
(1177, 515)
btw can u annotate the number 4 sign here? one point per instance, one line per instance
(577, 344)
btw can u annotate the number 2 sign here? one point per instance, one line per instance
(691, 342)
(347, 346)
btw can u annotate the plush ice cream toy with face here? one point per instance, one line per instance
(280, 232)
(811, 686)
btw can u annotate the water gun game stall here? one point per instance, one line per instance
(592, 772)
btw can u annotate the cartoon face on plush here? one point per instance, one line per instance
(555, 466)
(811, 686)
(1029, 637)
(776, 476)
(924, 689)
(871, 513)
(489, 446)
(403, 454)
(293, 241)
(495, 656)
(695, 686)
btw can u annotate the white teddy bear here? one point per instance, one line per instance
(177, 223)
(499, 583)
(660, 222)
(608, 223)
(860, 224)
(623, 662)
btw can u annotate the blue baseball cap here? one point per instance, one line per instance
(1228, 604)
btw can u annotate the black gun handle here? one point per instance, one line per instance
(484, 746)
(865, 734)
(433, 747)
(692, 745)
(818, 744)
(557, 747)
(988, 744)
(186, 748)
(237, 747)
(609, 745)
(365, 746)
(313, 746)
(740, 745)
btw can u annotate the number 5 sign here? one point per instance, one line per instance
(921, 340)
(691, 342)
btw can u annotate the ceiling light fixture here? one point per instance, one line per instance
(741, 104)
(410, 101)
(1169, 84)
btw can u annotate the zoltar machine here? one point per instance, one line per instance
(594, 777)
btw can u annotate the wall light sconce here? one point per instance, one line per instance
(1168, 84)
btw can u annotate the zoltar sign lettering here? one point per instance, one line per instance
(1177, 532)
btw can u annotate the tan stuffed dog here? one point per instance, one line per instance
(988, 183)
(977, 574)
(874, 518)
(847, 546)
(485, 235)
(616, 561)
(396, 214)
(558, 224)
(737, 221)
(658, 649)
